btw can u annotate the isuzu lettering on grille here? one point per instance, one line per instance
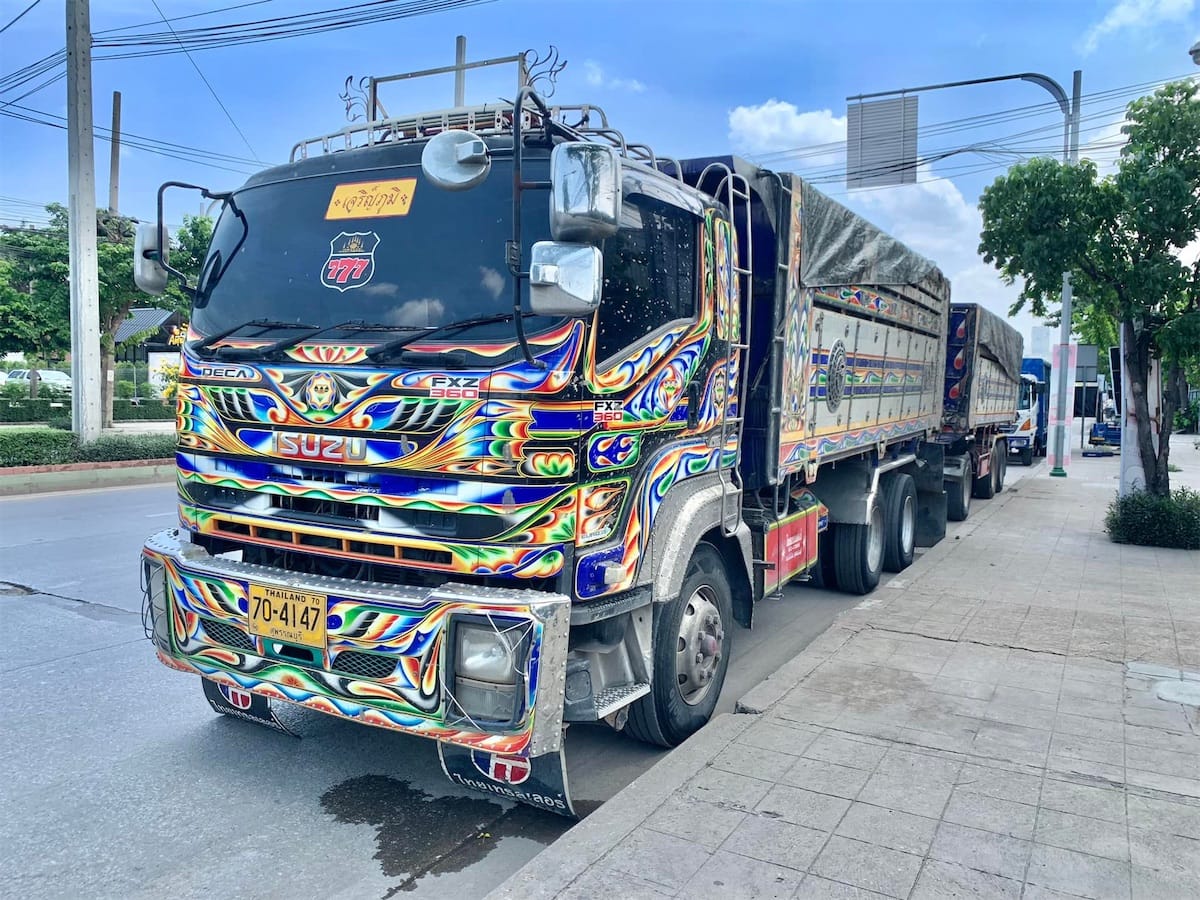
(327, 447)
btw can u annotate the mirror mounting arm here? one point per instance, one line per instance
(519, 185)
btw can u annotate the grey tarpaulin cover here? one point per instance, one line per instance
(839, 246)
(1000, 341)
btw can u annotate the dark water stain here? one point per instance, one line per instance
(418, 834)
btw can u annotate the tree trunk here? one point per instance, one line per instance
(107, 363)
(1137, 364)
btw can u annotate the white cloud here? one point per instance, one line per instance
(418, 313)
(595, 75)
(777, 125)
(492, 281)
(1134, 15)
(935, 219)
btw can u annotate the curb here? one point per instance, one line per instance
(20, 480)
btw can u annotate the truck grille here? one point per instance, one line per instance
(365, 665)
(229, 635)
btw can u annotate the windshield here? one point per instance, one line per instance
(380, 246)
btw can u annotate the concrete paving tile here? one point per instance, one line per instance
(1173, 816)
(694, 820)
(921, 796)
(1109, 752)
(935, 740)
(825, 777)
(809, 707)
(999, 783)
(1070, 768)
(986, 851)
(1150, 884)
(1020, 715)
(780, 736)
(1170, 784)
(1037, 892)
(1082, 726)
(991, 814)
(1166, 719)
(856, 752)
(1078, 873)
(776, 841)
(1093, 836)
(1154, 848)
(816, 888)
(1094, 709)
(801, 807)
(1091, 690)
(914, 661)
(727, 789)
(1084, 800)
(888, 828)
(930, 766)
(1164, 762)
(940, 880)
(755, 762)
(661, 858)
(1095, 670)
(729, 874)
(1156, 737)
(960, 687)
(1021, 696)
(602, 881)
(868, 866)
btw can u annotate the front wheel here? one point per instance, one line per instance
(1027, 456)
(691, 655)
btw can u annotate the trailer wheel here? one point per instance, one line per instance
(858, 553)
(900, 522)
(1027, 456)
(958, 497)
(691, 655)
(985, 485)
(1000, 461)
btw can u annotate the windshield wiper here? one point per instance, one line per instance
(375, 354)
(204, 348)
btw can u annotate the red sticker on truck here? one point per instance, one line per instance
(351, 261)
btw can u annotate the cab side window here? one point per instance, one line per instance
(649, 273)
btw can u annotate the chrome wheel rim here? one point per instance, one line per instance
(908, 526)
(699, 645)
(875, 539)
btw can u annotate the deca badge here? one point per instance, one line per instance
(351, 260)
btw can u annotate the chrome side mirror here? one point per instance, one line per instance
(150, 249)
(585, 192)
(564, 279)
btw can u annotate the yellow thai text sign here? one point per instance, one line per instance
(371, 199)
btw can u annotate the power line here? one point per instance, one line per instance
(210, 12)
(241, 134)
(19, 15)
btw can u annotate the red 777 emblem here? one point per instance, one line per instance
(351, 261)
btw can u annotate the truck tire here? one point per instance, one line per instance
(1000, 461)
(822, 575)
(858, 553)
(1027, 456)
(691, 654)
(958, 497)
(900, 522)
(985, 485)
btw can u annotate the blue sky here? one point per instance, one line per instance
(765, 78)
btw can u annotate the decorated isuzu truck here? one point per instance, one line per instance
(491, 422)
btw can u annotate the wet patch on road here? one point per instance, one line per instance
(418, 834)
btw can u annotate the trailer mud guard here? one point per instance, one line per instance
(931, 494)
(537, 781)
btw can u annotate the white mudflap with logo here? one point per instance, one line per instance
(538, 781)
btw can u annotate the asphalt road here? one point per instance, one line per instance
(119, 781)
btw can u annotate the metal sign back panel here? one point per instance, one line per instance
(881, 143)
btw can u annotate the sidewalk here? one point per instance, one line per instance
(1001, 720)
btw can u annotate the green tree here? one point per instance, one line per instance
(1121, 237)
(34, 295)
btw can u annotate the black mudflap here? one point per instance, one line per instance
(539, 781)
(230, 701)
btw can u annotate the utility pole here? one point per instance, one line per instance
(81, 200)
(460, 73)
(114, 159)
(1065, 390)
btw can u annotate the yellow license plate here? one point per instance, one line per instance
(283, 614)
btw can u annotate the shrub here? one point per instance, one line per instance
(1187, 420)
(1154, 521)
(15, 390)
(38, 410)
(62, 423)
(112, 447)
(146, 410)
(123, 390)
(36, 447)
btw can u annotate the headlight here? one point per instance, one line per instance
(489, 664)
